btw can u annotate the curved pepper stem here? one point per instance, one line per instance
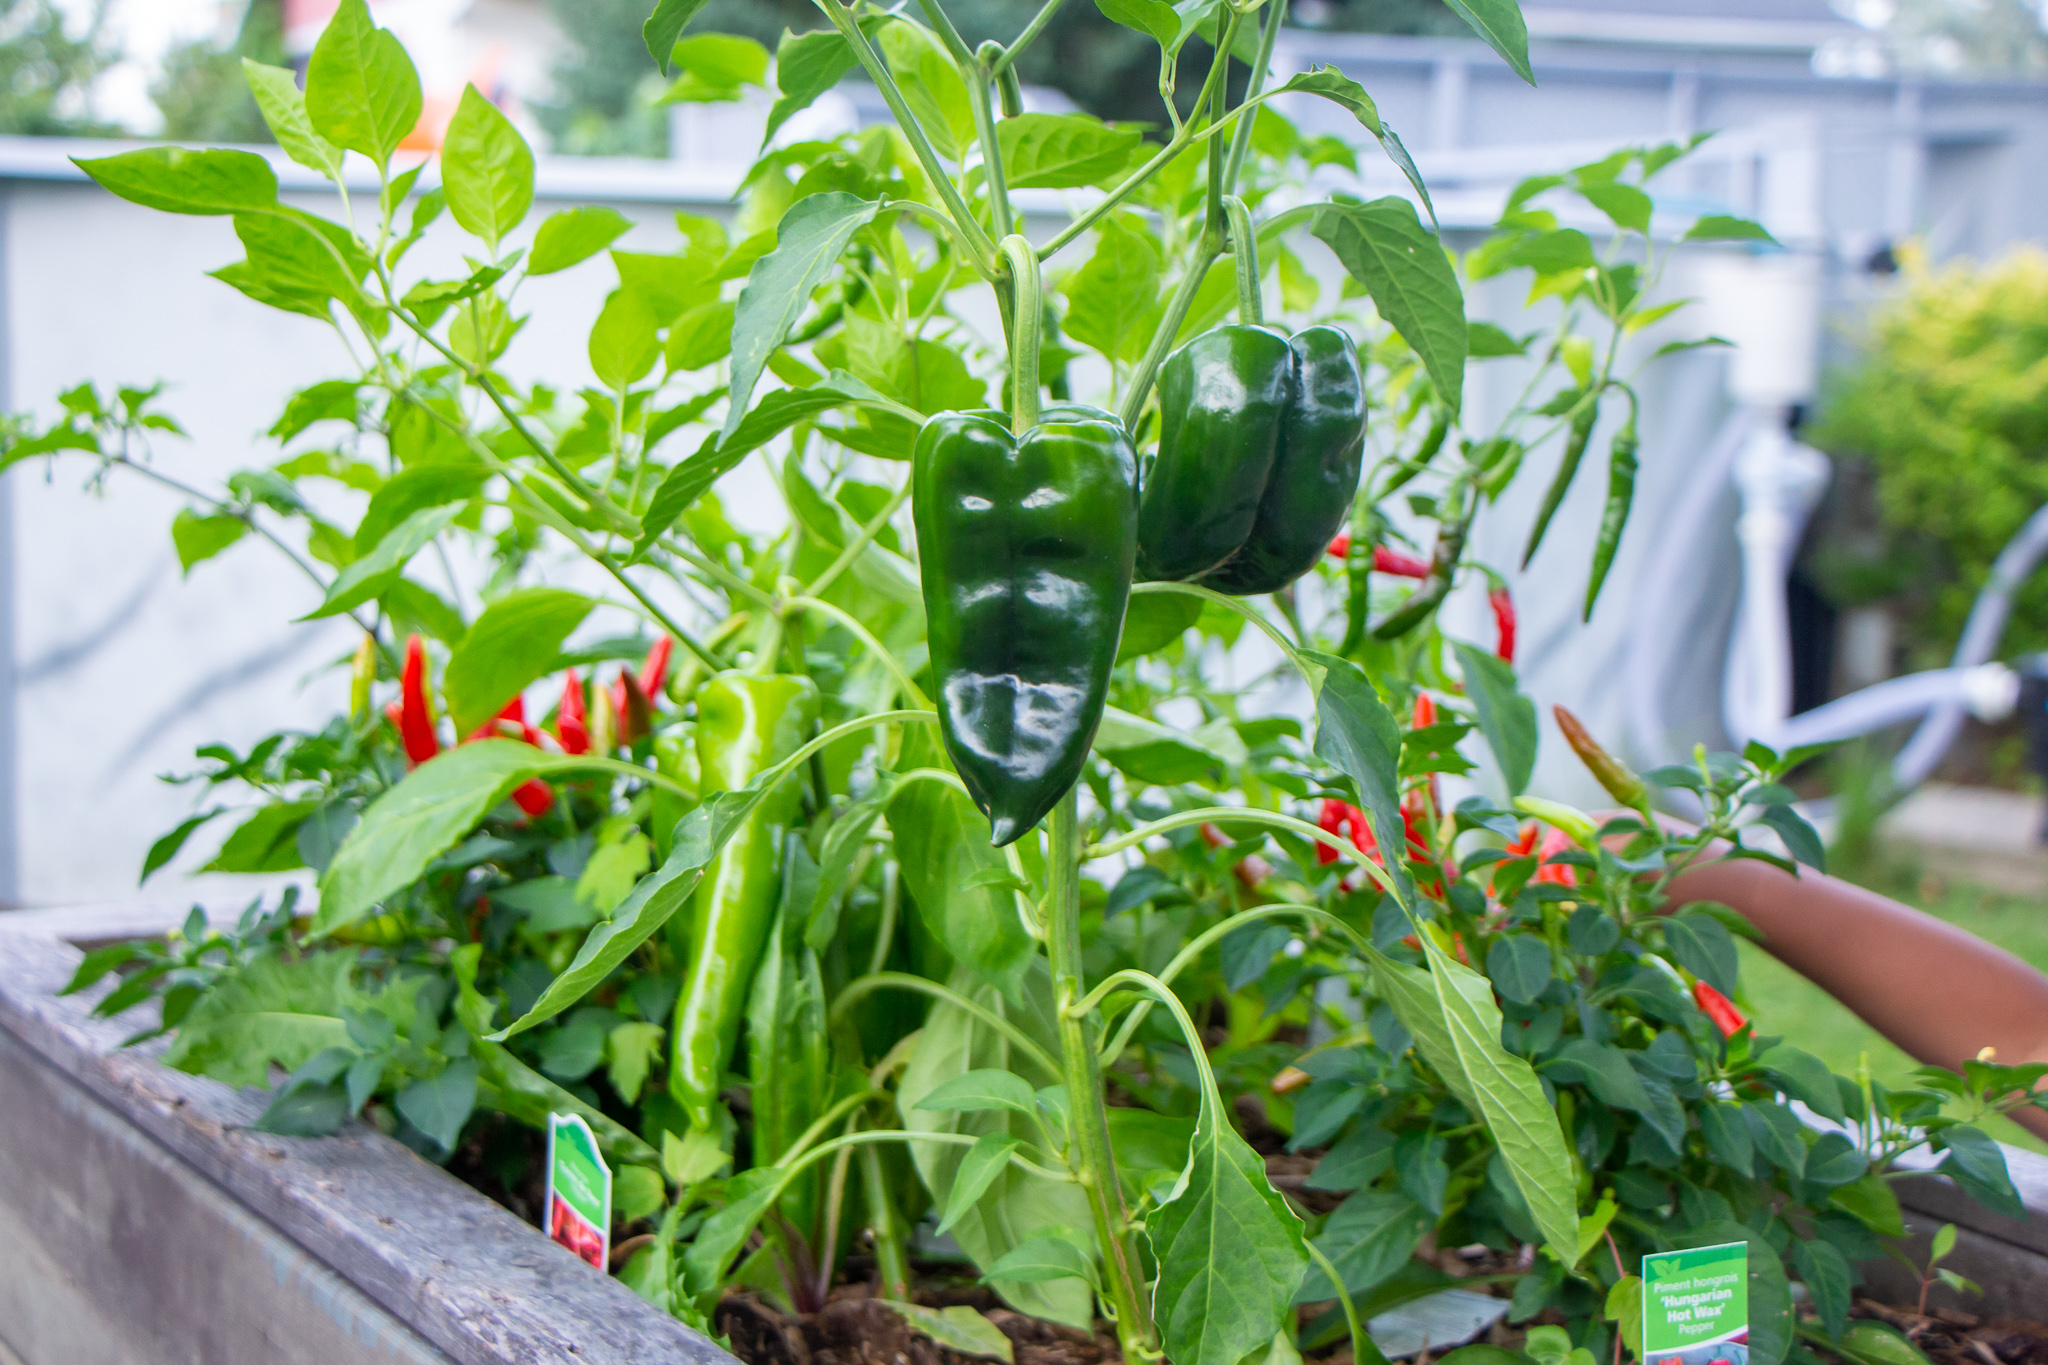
(1244, 249)
(1027, 307)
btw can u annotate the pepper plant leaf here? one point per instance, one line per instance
(665, 26)
(1506, 717)
(362, 91)
(1500, 23)
(283, 106)
(808, 242)
(1356, 734)
(373, 574)
(942, 847)
(486, 169)
(1402, 265)
(806, 66)
(573, 236)
(177, 180)
(1062, 151)
(512, 643)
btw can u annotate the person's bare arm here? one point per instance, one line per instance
(1937, 992)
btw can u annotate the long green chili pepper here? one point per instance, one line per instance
(1621, 492)
(1574, 451)
(1415, 464)
(1430, 593)
(745, 724)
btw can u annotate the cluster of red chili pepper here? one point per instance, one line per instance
(1399, 565)
(412, 715)
(575, 1232)
(1419, 804)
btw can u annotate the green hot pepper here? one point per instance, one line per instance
(1260, 439)
(745, 724)
(1027, 543)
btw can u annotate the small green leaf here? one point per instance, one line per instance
(808, 243)
(1062, 151)
(630, 1051)
(1372, 1234)
(362, 92)
(486, 169)
(176, 180)
(623, 347)
(1624, 1309)
(941, 844)
(1114, 301)
(514, 642)
(984, 1089)
(1384, 246)
(167, 847)
(714, 66)
(283, 107)
(439, 1106)
(371, 574)
(1356, 734)
(959, 1329)
(984, 1161)
(265, 842)
(200, 538)
(665, 26)
(806, 66)
(694, 1158)
(573, 236)
(1716, 227)
(1040, 1259)
(1625, 205)
(701, 336)
(637, 1192)
(1500, 23)
(1506, 717)
(1801, 840)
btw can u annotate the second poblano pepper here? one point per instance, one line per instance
(1027, 544)
(1260, 439)
(745, 725)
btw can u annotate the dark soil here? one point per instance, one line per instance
(1954, 1338)
(855, 1329)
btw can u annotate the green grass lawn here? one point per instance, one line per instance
(1790, 1006)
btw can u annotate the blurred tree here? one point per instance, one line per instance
(201, 92)
(1949, 405)
(46, 74)
(1956, 37)
(605, 84)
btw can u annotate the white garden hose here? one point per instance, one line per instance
(1780, 482)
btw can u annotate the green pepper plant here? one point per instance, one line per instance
(940, 896)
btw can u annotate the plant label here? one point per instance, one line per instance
(579, 1197)
(1696, 1306)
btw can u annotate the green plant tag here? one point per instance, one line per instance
(579, 1196)
(1696, 1306)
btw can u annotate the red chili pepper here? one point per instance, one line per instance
(1718, 1008)
(1504, 618)
(533, 795)
(1555, 841)
(572, 722)
(1340, 548)
(410, 713)
(635, 723)
(1399, 565)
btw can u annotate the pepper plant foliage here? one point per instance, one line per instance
(736, 907)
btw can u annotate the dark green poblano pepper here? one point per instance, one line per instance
(1026, 545)
(1260, 438)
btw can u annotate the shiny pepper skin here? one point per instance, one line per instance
(412, 713)
(745, 725)
(1027, 544)
(1260, 440)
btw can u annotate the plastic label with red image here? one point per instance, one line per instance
(579, 1192)
(1696, 1306)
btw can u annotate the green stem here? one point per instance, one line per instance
(1206, 252)
(1219, 98)
(1244, 246)
(661, 618)
(1027, 313)
(829, 1118)
(978, 245)
(1241, 137)
(1311, 673)
(862, 987)
(904, 683)
(860, 542)
(1026, 38)
(892, 1262)
(1244, 815)
(1364, 1350)
(976, 76)
(767, 780)
(1090, 1152)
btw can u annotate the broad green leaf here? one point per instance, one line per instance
(301, 257)
(1333, 85)
(1114, 301)
(1230, 1250)
(1039, 1260)
(1624, 1309)
(1153, 18)
(574, 235)
(1062, 151)
(701, 336)
(283, 107)
(512, 643)
(180, 181)
(1499, 22)
(665, 26)
(1703, 946)
(698, 838)
(669, 283)
(806, 66)
(432, 483)
(271, 1012)
(959, 1329)
(1506, 717)
(748, 1196)
(1805, 1078)
(1871, 1202)
(486, 169)
(714, 66)
(931, 85)
(1017, 1206)
(167, 847)
(1384, 246)
(1519, 966)
(1625, 205)
(1828, 1277)
(371, 574)
(510, 1087)
(1356, 734)
(1155, 620)
(808, 243)
(623, 347)
(1509, 1098)
(266, 841)
(199, 538)
(1714, 227)
(942, 846)
(988, 1088)
(1801, 840)
(693, 1158)
(1372, 1234)
(440, 1105)
(362, 92)
(985, 1160)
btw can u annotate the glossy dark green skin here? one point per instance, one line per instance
(1315, 471)
(745, 723)
(1223, 400)
(1026, 545)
